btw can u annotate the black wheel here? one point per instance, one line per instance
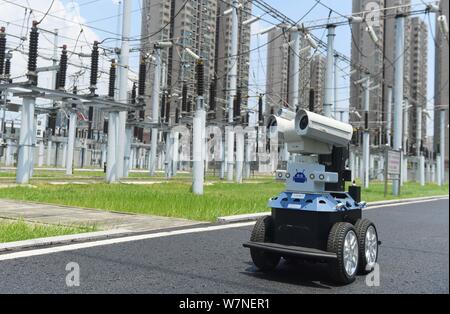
(263, 232)
(368, 245)
(343, 241)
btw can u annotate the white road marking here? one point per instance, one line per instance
(406, 203)
(79, 246)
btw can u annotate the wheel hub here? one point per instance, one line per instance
(350, 253)
(371, 246)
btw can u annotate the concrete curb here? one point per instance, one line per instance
(252, 217)
(89, 236)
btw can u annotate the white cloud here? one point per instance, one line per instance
(65, 18)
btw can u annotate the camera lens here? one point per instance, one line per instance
(304, 122)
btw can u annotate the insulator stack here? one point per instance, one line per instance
(200, 70)
(177, 115)
(167, 115)
(213, 95)
(33, 54)
(52, 123)
(142, 75)
(62, 69)
(94, 67)
(2, 50)
(133, 94)
(189, 106)
(105, 126)
(7, 67)
(163, 106)
(112, 79)
(260, 110)
(75, 92)
(57, 80)
(184, 98)
(237, 105)
(90, 119)
(132, 113)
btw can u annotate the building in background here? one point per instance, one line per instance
(202, 27)
(418, 77)
(223, 52)
(376, 59)
(441, 82)
(318, 74)
(278, 72)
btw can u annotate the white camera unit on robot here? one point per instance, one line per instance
(309, 133)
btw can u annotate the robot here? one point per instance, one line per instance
(315, 218)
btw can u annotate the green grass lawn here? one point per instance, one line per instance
(20, 230)
(174, 198)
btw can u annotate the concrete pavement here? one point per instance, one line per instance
(103, 220)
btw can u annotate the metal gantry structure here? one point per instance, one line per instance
(126, 113)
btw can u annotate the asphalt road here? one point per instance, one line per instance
(414, 258)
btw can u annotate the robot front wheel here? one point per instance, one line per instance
(356, 248)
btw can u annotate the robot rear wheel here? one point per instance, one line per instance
(263, 232)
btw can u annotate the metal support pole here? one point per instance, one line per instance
(398, 89)
(197, 151)
(239, 156)
(64, 155)
(404, 177)
(389, 118)
(24, 164)
(9, 160)
(442, 146)
(41, 154)
(336, 88)
(422, 170)
(175, 156)
(123, 85)
(233, 88)
(223, 161)
(405, 127)
(438, 170)
(198, 141)
(168, 160)
(420, 158)
(155, 111)
(49, 153)
(366, 134)
(71, 143)
(127, 157)
(328, 97)
(294, 77)
(111, 161)
(433, 172)
(353, 163)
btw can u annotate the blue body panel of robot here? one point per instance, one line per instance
(305, 190)
(319, 202)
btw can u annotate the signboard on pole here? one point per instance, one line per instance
(393, 167)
